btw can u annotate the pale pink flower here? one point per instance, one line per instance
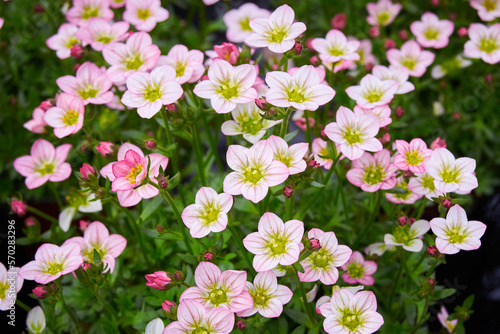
(382, 112)
(148, 92)
(443, 315)
(83, 10)
(228, 52)
(144, 14)
(303, 90)
(100, 32)
(90, 83)
(67, 116)
(129, 172)
(45, 163)
(450, 174)
(322, 264)
(10, 284)
(336, 47)
(97, 237)
(411, 57)
(320, 148)
(320, 69)
(372, 173)
(373, 92)
(278, 32)
(208, 214)
(268, 296)
(456, 232)
(255, 170)
(275, 242)
(219, 289)
(117, 3)
(155, 326)
(408, 197)
(247, 122)
(488, 10)
(116, 103)
(408, 236)
(227, 85)
(105, 148)
(37, 123)
(412, 156)
(359, 270)
(237, 21)
(351, 313)
(399, 75)
(188, 64)
(292, 157)
(64, 40)
(484, 42)
(138, 54)
(382, 13)
(51, 262)
(355, 134)
(431, 32)
(193, 317)
(423, 184)
(84, 202)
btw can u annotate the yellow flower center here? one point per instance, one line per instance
(356, 270)
(490, 5)
(277, 245)
(374, 175)
(321, 259)
(277, 34)
(409, 62)
(3, 290)
(152, 92)
(245, 24)
(431, 33)
(456, 234)
(383, 17)
(253, 174)
(133, 63)
(296, 94)
(71, 117)
(72, 40)
(132, 175)
(144, 13)
(90, 11)
(53, 267)
(45, 169)
(87, 92)
(228, 90)
(450, 174)
(413, 158)
(352, 136)
(488, 45)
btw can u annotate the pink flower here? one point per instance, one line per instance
(159, 280)
(227, 85)
(216, 289)
(349, 312)
(51, 262)
(45, 163)
(105, 148)
(117, 3)
(267, 295)
(365, 52)
(129, 172)
(228, 52)
(456, 232)
(83, 10)
(335, 47)
(408, 236)
(450, 174)
(437, 143)
(148, 92)
(237, 21)
(144, 14)
(484, 42)
(432, 32)
(359, 270)
(373, 92)
(355, 134)
(100, 32)
(208, 214)
(408, 197)
(275, 242)
(423, 184)
(90, 83)
(10, 284)
(412, 156)
(382, 112)
(411, 57)
(96, 237)
(322, 264)
(37, 124)
(382, 13)
(449, 325)
(64, 40)
(320, 148)
(372, 173)
(292, 157)
(255, 171)
(188, 64)
(138, 54)
(488, 10)
(399, 75)
(67, 116)
(303, 90)
(278, 32)
(194, 318)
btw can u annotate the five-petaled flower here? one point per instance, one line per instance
(144, 14)
(238, 21)
(431, 32)
(412, 156)
(373, 92)
(63, 41)
(484, 42)
(373, 172)
(411, 57)
(382, 13)
(292, 157)
(10, 284)
(188, 64)
(336, 47)
(408, 236)
(67, 116)
(359, 271)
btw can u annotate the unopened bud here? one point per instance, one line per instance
(30, 221)
(208, 256)
(171, 108)
(432, 251)
(386, 138)
(44, 291)
(150, 144)
(431, 281)
(105, 148)
(162, 181)
(83, 224)
(446, 202)
(205, 77)
(438, 143)
(159, 280)
(241, 325)
(399, 112)
(411, 220)
(374, 32)
(456, 115)
(389, 44)
(314, 60)
(19, 207)
(403, 35)
(45, 105)
(179, 276)
(339, 21)
(314, 244)
(288, 191)
(488, 78)
(169, 309)
(86, 170)
(77, 51)
(402, 220)
(462, 31)
(38, 9)
(262, 104)
(313, 164)
(368, 67)
(407, 174)
(297, 47)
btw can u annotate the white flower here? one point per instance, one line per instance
(83, 204)
(408, 236)
(36, 320)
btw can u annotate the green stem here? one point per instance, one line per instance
(199, 156)
(289, 203)
(302, 290)
(42, 214)
(310, 204)
(108, 307)
(373, 215)
(242, 248)
(171, 202)
(186, 285)
(213, 144)
(395, 285)
(284, 124)
(421, 208)
(342, 196)
(56, 194)
(308, 131)
(69, 311)
(23, 305)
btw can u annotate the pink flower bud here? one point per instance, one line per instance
(45, 105)
(86, 265)
(162, 181)
(150, 144)
(318, 311)
(38, 9)
(313, 164)
(30, 221)
(179, 276)
(453, 16)
(42, 291)
(462, 31)
(168, 306)
(297, 47)
(368, 67)
(389, 44)
(87, 170)
(288, 191)
(411, 220)
(403, 35)
(208, 256)
(105, 148)
(438, 143)
(205, 77)
(228, 52)
(386, 138)
(241, 325)
(402, 220)
(446, 202)
(456, 115)
(488, 78)
(431, 281)
(339, 21)
(315, 245)
(435, 2)
(432, 251)
(83, 225)
(407, 174)
(314, 60)
(262, 104)
(77, 51)
(399, 112)
(76, 67)
(374, 32)
(158, 280)
(19, 207)
(171, 108)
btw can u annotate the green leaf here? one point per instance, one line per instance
(167, 235)
(299, 330)
(460, 201)
(219, 243)
(289, 136)
(297, 316)
(317, 184)
(174, 181)
(188, 258)
(97, 257)
(468, 302)
(150, 208)
(136, 134)
(441, 294)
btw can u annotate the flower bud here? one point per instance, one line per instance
(262, 104)
(368, 67)
(314, 244)
(179, 276)
(432, 251)
(228, 52)
(162, 181)
(45, 105)
(297, 47)
(456, 115)
(288, 191)
(86, 170)
(44, 291)
(386, 138)
(339, 21)
(399, 112)
(83, 225)
(431, 281)
(38, 9)
(171, 108)
(150, 144)
(208, 256)
(313, 164)
(488, 78)
(446, 202)
(389, 44)
(169, 309)
(205, 77)
(30, 221)
(437, 143)
(435, 2)
(19, 207)
(158, 280)
(407, 174)
(374, 32)
(402, 220)
(403, 35)
(318, 311)
(77, 51)
(105, 148)
(462, 31)
(241, 325)
(314, 60)
(411, 220)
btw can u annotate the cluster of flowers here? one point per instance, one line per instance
(139, 77)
